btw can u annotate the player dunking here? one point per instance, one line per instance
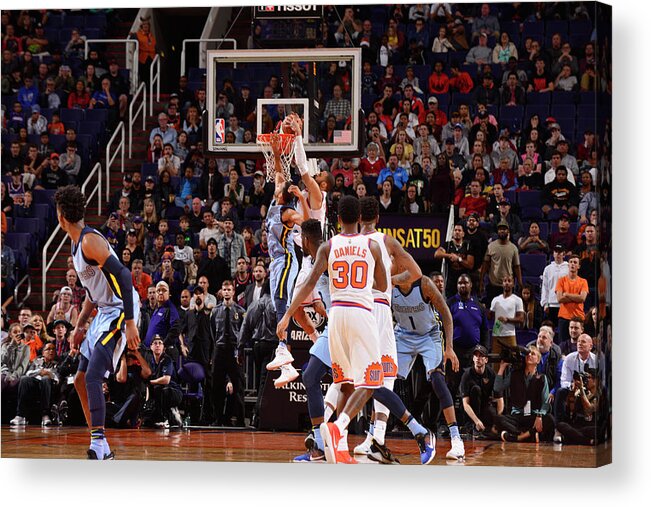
(316, 209)
(416, 309)
(281, 220)
(109, 287)
(354, 264)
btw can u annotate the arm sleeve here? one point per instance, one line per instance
(125, 283)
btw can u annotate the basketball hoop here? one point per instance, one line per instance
(286, 154)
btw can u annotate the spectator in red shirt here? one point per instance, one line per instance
(372, 163)
(460, 80)
(474, 202)
(141, 280)
(438, 80)
(440, 117)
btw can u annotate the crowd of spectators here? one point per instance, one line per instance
(524, 192)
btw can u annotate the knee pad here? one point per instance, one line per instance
(332, 395)
(441, 389)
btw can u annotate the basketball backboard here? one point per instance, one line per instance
(310, 82)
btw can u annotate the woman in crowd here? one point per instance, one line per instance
(533, 243)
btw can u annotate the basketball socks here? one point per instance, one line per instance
(327, 413)
(318, 439)
(415, 427)
(282, 343)
(342, 422)
(454, 430)
(343, 442)
(379, 430)
(98, 442)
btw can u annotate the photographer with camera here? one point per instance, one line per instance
(575, 362)
(583, 407)
(476, 390)
(129, 389)
(529, 419)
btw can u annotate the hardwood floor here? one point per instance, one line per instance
(257, 446)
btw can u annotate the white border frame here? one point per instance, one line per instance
(306, 117)
(282, 55)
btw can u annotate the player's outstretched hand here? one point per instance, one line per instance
(294, 190)
(131, 331)
(76, 337)
(281, 328)
(450, 355)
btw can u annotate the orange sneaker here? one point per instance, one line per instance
(345, 458)
(331, 436)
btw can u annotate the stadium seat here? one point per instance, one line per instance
(532, 264)
(563, 111)
(588, 98)
(530, 29)
(73, 21)
(68, 115)
(524, 336)
(562, 97)
(34, 226)
(252, 213)
(541, 110)
(96, 20)
(529, 199)
(97, 115)
(149, 169)
(556, 26)
(531, 213)
(537, 98)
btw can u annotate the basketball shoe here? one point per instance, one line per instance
(331, 436)
(315, 455)
(457, 451)
(283, 357)
(427, 449)
(364, 448)
(381, 454)
(287, 374)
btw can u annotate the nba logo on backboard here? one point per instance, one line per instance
(220, 130)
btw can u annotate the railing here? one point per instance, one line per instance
(134, 116)
(448, 237)
(45, 264)
(183, 69)
(130, 59)
(110, 158)
(24, 279)
(152, 77)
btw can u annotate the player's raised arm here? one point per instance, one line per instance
(96, 249)
(408, 269)
(434, 297)
(320, 265)
(315, 196)
(380, 273)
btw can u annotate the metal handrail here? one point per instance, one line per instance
(153, 77)
(110, 158)
(183, 69)
(24, 279)
(45, 265)
(131, 61)
(134, 116)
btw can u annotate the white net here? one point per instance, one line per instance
(286, 146)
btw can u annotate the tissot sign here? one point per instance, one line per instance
(288, 11)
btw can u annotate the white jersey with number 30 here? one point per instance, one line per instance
(351, 269)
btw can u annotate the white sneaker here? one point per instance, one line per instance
(287, 374)
(558, 438)
(163, 424)
(283, 357)
(176, 417)
(46, 421)
(457, 451)
(19, 420)
(364, 448)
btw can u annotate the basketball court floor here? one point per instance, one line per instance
(220, 445)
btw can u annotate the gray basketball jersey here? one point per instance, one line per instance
(101, 286)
